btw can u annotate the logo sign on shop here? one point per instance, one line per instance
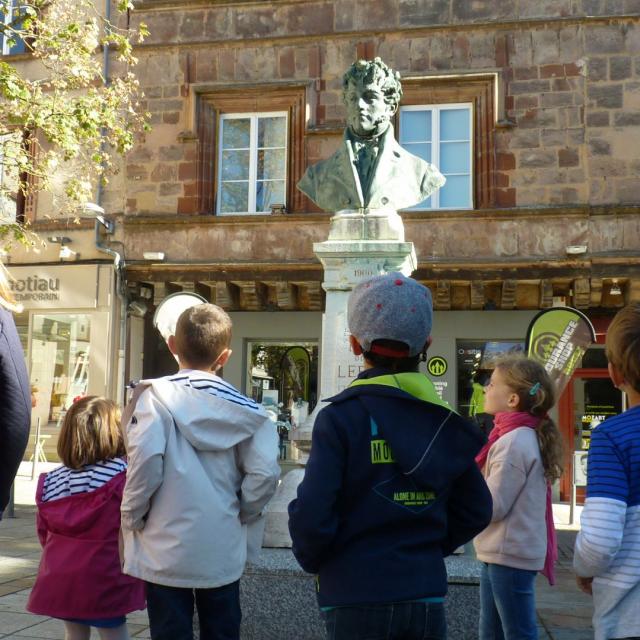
(437, 366)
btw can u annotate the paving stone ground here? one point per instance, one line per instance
(564, 613)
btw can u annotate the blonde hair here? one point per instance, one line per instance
(90, 432)
(534, 388)
(622, 344)
(7, 299)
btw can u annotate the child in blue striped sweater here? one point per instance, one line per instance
(607, 552)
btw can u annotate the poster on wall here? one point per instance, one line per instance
(558, 338)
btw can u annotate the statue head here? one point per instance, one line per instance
(371, 92)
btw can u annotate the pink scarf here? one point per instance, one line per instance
(505, 422)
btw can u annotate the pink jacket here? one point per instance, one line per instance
(79, 575)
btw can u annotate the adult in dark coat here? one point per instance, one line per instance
(15, 395)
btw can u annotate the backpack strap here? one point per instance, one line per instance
(129, 409)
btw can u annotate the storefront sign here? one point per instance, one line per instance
(437, 366)
(63, 287)
(557, 338)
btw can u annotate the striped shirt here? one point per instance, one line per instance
(63, 482)
(214, 385)
(608, 545)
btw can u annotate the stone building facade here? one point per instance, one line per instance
(552, 215)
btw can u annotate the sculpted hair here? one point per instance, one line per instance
(374, 72)
(529, 380)
(90, 432)
(203, 332)
(623, 344)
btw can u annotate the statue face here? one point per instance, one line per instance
(367, 112)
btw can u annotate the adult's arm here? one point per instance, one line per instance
(15, 397)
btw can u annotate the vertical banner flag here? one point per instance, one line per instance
(557, 338)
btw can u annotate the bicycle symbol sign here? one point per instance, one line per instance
(437, 366)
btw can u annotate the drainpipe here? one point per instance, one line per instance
(118, 258)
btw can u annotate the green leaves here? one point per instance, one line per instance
(71, 122)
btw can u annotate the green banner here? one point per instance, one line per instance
(558, 338)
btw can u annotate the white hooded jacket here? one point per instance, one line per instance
(202, 465)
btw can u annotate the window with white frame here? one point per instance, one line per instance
(252, 162)
(442, 135)
(10, 16)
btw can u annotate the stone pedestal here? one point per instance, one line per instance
(361, 244)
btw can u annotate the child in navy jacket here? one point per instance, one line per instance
(391, 486)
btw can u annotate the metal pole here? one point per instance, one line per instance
(36, 450)
(572, 506)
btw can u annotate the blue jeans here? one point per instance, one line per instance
(507, 603)
(170, 612)
(399, 621)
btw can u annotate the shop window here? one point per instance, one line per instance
(476, 360)
(10, 19)
(450, 121)
(283, 376)
(252, 159)
(59, 362)
(442, 135)
(251, 150)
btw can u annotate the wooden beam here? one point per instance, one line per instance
(581, 293)
(160, 292)
(596, 292)
(477, 295)
(248, 299)
(546, 294)
(443, 295)
(508, 297)
(224, 295)
(309, 295)
(632, 291)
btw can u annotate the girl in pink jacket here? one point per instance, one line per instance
(79, 579)
(520, 462)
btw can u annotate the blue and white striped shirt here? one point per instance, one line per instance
(63, 482)
(213, 385)
(608, 544)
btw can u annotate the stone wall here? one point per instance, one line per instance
(569, 116)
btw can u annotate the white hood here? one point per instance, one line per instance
(208, 422)
(202, 466)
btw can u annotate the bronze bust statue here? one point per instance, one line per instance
(370, 170)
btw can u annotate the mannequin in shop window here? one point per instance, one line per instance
(15, 392)
(299, 412)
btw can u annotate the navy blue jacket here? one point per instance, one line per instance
(391, 488)
(15, 402)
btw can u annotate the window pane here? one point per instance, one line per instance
(272, 132)
(422, 150)
(235, 165)
(236, 133)
(415, 126)
(59, 362)
(425, 204)
(268, 193)
(454, 124)
(271, 164)
(456, 192)
(455, 157)
(234, 197)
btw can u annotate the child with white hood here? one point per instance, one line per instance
(202, 466)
